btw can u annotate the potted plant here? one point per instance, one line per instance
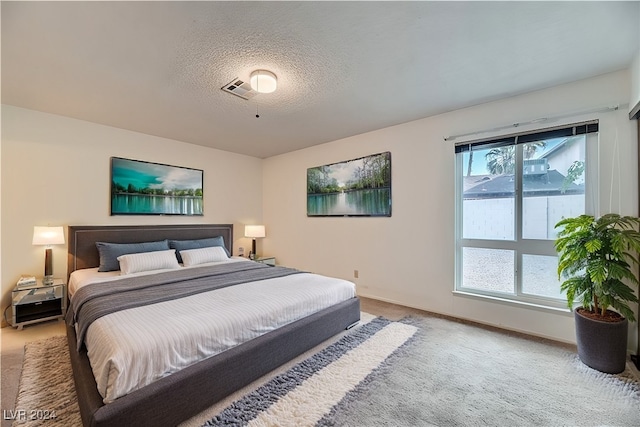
(596, 261)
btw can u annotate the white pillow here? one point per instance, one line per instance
(203, 255)
(146, 261)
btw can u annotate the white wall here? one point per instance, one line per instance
(408, 258)
(635, 76)
(55, 171)
(635, 82)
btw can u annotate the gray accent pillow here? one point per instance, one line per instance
(183, 245)
(109, 252)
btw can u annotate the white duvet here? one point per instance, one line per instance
(132, 348)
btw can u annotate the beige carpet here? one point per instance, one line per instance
(11, 363)
(452, 374)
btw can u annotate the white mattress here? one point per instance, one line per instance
(175, 334)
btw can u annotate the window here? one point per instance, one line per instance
(510, 193)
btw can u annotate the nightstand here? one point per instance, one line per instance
(38, 303)
(269, 260)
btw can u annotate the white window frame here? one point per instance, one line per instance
(520, 246)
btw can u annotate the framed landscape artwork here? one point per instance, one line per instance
(358, 187)
(144, 188)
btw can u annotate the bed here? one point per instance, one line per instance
(190, 390)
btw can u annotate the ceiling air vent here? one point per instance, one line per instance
(239, 88)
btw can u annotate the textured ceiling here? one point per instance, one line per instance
(343, 68)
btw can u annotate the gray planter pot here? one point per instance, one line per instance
(602, 345)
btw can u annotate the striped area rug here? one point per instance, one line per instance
(306, 394)
(310, 392)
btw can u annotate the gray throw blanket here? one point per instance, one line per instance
(94, 301)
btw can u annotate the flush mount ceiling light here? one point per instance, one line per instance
(263, 81)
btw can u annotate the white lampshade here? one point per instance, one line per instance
(254, 231)
(263, 81)
(48, 236)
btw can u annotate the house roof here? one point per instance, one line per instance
(549, 184)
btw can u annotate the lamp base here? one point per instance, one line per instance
(48, 267)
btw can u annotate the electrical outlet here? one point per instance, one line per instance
(355, 274)
(241, 251)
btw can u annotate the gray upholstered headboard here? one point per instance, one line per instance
(82, 238)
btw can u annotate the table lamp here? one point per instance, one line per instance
(48, 236)
(254, 231)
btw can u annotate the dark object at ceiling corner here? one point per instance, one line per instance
(634, 114)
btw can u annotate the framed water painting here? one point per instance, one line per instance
(358, 187)
(144, 188)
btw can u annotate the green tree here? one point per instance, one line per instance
(117, 188)
(314, 181)
(502, 160)
(575, 171)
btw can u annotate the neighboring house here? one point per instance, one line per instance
(561, 156)
(488, 199)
